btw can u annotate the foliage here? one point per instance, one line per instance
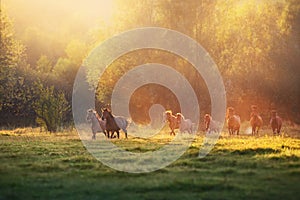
(44, 65)
(50, 107)
(255, 45)
(247, 40)
(11, 56)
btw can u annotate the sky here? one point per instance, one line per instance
(49, 14)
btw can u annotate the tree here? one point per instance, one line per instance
(50, 107)
(44, 64)
(11, 56)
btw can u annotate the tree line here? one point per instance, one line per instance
(255, 45)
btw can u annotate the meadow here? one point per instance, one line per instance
(38, 165)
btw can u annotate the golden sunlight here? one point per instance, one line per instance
(49, 10)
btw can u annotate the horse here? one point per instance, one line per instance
(184, 124)
(172, 121)
(275, 122)
(210, 124)
(230, 112)
(256, 122)
(98, 125)
(114, 123)
(233, 121)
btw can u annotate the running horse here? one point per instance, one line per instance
(114, 123)
(233, 121)
(275, 122)
(211, 125)
(98, 125)
(172, 121)
(256, 121)
(184, 124)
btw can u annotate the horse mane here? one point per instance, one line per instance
(109, 112)
(208, 116)
(169, 112)
(181, 115)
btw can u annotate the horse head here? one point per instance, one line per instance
(179, 117)
(90, 115)
(273, 113)
(230, 112)
(106, 113)
(168, 115)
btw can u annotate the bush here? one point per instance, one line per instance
(50, 107)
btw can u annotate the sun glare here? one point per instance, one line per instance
(105, 10)
(100, 9)
(49, 10)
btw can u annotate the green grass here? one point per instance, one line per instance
(41, 166)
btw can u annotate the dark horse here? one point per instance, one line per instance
(276, 122)
(114, 124)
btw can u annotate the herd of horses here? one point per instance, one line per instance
(234, 122)
(110, 124)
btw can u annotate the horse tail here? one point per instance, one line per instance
(128, 122)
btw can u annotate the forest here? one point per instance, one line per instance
(255, 44)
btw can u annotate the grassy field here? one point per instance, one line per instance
(42, 166)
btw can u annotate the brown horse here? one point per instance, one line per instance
(275, 122)
(233, 121)
(111, 125)
(254, 111)
(207, 120)
(173, 121)
(256, 122)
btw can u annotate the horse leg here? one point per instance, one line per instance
(279, 129)
(112, 134)
(94, 136)
(255, 130)
(125, 131)
(173, 132)
(274, 131)
(118, 134)
(125, 134)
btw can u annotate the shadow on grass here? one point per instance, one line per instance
(255, 151)
(190, 186)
